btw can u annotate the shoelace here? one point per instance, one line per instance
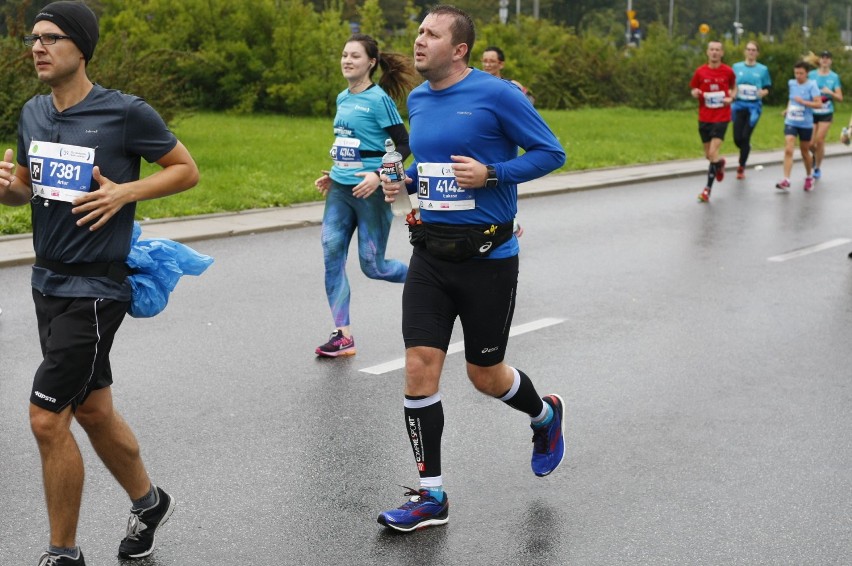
(540, 440)
(415, 495)
(134, 527)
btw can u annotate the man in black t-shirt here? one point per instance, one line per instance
(78, 162)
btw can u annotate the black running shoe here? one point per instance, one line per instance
(143, 524)
(48, 559)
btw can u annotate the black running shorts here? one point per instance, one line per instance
(480, 292)
(710, 130)
(76, 336)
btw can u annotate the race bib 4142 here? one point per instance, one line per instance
(437, 189)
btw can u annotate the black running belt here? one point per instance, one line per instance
(117, 271)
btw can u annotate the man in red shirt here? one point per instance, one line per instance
(713, 85)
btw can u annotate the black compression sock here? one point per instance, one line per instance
(523, 396)
(711, 175)
(424, 421)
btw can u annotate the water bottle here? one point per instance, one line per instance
(393, 169)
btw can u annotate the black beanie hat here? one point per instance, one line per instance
(77, 21)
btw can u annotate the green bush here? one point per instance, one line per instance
(283, 56)
(656, 74)
(17, 82)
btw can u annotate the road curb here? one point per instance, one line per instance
(17, 249)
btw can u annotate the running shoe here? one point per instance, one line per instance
(420, 511)
(783, 184)
(705, 195)
(817, 174)
(720, 170)
(143, 524)
(48, 559)
(740, 172)
(337, 345)
(809, 184)
(548, 440)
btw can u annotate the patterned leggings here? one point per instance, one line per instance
(372, 216)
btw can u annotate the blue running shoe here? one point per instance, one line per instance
(421, 511)
(817, 174)
(548, 440)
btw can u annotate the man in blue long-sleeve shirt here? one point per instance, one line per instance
(466, 127)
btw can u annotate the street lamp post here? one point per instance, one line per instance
(769, 21)
(671, 17)
(628, 35)
(847, 35)
(738, 27)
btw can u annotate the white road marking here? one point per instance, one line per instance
(456, 347)
(810, 250)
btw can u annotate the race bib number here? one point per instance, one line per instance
(437, 189)
(345, 153)
(827, 106)
(747, 92)
(715, 99)
(795, 112)
(59, 171)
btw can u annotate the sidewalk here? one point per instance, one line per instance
(17, 250)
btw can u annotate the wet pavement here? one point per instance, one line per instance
(702, 351)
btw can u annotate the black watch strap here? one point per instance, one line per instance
(491, 180)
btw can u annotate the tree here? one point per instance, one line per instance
(305, 77)
(372, 20)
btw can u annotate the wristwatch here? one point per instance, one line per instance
(491, 181)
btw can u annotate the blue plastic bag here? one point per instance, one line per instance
(159, 264)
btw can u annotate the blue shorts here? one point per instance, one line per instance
(804, 134)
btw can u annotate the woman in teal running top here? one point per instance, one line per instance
(366, 117)
(829, 86)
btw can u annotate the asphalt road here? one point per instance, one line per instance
(702, 351)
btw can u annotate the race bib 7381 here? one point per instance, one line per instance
(60, 171)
